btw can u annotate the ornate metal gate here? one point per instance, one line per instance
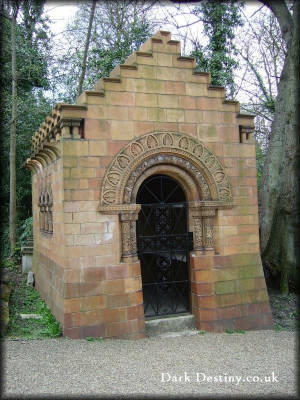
(163, 249)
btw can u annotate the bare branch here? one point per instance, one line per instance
(284, 18)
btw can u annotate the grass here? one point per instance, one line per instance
(94, 339)
(26, 300)
(279, 328)
(235, 331)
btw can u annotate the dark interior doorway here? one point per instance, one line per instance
(163, 246)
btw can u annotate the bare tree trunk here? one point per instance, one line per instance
(12, 154)
(279, 194)
(86, 47)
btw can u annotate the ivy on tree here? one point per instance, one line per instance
(219, 20)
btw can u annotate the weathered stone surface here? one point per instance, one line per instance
(30, 278)
(152, 115)
(26, 259)
(31, 316)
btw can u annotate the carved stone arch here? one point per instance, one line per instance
(196, 168)
(191, 178)
(189, 186)
(171, 148)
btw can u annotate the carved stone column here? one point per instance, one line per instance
(128, 232)
(65, 126)
(41, 218)
(46, 219)
(50, 220)
(197, 228)
(70, 128)
(208, 228)
(202, 213)
(76, 128)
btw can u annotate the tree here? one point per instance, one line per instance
(13, 124)
(220, 20)
(279, 197)
(23, 71)
(262, 52)
(86, 47)
(211, 43)
(279, 194)
(118, 29)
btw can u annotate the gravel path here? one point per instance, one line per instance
(126, 367)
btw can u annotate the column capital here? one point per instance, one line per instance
(120, 209)
(198, 211)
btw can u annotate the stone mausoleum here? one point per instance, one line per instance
(145, 203)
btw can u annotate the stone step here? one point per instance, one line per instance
(166, 325)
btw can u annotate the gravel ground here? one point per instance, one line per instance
(56, 367)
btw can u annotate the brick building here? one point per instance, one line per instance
(145, 202)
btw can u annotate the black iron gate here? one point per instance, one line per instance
(163, 249)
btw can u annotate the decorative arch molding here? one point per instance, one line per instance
(189, 186)
(172, 148)
(48, 154)
(196, 168)
(33, 165)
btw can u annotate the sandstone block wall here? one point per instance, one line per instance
(78, 269)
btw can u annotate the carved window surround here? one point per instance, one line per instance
(45, 211)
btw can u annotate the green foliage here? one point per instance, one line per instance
(94, 339)
(201, 332)
(219, 20)
(26, 300)
(260, 158)
(32, 42)
(52, 327)
(234, 331)
(269, 104)
(103, 60)
(119, 28)
(32, 109)
(10, 265)
(33, 38)
(279, 328)
(25, 230)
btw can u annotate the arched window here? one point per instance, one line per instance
(45, 213)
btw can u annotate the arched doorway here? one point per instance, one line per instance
(163, 245)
